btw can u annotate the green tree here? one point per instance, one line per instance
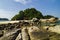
(19, 16)
(48, 16)
(31, 13)
(28, 14)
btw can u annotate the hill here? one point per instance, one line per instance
(3, 19)
(30, 13)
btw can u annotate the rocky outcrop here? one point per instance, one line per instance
(10, 35)
(29, 30)
(19, 37)
(25, 34)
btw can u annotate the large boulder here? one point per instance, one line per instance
(25, 34)
(36, 34)
(34, 19)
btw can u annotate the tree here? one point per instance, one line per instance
(19, 16)
(48, 16)
(28, 14)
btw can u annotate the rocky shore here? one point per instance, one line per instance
(30, 30)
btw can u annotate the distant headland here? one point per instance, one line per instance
(4, 19)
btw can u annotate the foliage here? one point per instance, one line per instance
(28, 14)
(49, 16)
(19, 16)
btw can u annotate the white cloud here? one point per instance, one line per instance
(6, 14)
(23, 1)
(29, 1)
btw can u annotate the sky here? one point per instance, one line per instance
(9, 8)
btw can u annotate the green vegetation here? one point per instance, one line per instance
(19, 16)
(30, 13)
(48, 16)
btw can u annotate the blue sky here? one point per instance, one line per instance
(9, 8)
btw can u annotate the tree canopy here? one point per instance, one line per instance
(28, 14)
(49, 16)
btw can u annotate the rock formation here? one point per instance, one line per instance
(29, 30)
